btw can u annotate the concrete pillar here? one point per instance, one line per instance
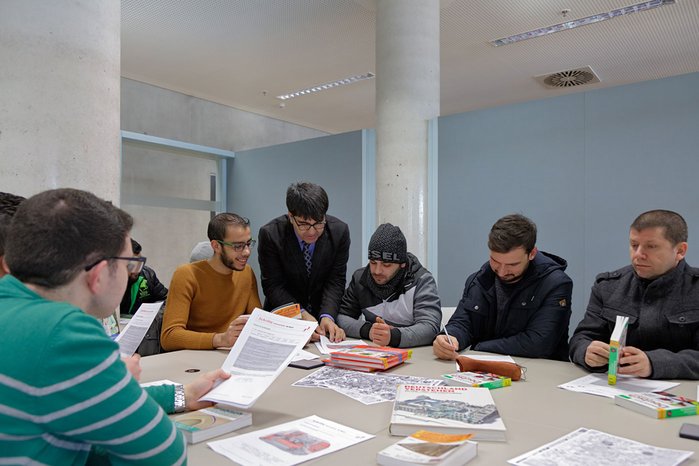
(407, 95)
(59, 96)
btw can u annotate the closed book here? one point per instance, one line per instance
(210, 422)
(477, 379)
(659, 405)
(351, 367)
(616, 347)
(429, 448)
(448, 410)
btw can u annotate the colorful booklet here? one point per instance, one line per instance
(477, 379)
(616, 347)
(429, 448)
(210, 422)
(449, 410)
(291, 310)
(369, 357)
(659, 405)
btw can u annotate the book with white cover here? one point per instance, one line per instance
(449, 410)
(207, 423)
(659, 405)
(429, 448)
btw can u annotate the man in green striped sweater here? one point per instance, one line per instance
(65, 395)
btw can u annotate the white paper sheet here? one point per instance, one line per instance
(304, 355)
(136, 329)
(596, 384)
(290, 443)
(264, 348)
(325, 346)
(587, 446)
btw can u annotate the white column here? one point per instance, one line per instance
(59, 96)
(407, 95)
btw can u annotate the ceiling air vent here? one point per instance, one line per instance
(569, 78)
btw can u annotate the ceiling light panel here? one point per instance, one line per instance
(643, 6)
(326, 86)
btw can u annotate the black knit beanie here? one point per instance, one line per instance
(388, 244)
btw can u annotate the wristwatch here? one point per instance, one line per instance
(180, 401)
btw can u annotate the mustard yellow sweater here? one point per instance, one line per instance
(203, 302)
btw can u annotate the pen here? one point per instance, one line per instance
(448, 337)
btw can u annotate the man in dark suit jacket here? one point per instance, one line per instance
(303, 258)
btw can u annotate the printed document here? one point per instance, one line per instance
(588, 446)
(596, 384)
(136, 329)
(264, 348)
(287, 444)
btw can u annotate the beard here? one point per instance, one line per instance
(229, 262)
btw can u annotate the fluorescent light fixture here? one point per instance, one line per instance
(326, 86)
(627, 10)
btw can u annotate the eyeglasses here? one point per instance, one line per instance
(238, 247)
(134, 264)
(303, 226)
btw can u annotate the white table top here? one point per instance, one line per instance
(535, 411)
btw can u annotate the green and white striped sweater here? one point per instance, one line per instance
(64, 390)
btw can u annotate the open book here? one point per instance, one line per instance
(616, 347)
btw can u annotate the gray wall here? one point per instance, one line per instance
(581, 166)
(257, 182)
(168, 234)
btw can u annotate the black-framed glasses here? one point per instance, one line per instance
(238, 247)
(304, 226)
(134, 264)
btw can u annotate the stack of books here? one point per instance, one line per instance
(368, 358)
(616, 347)
(477, 379)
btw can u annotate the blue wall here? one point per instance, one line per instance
(581, 166)
(258, 179)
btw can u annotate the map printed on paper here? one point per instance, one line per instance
(592, 447)
(365, 387)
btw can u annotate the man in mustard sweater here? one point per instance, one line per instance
(210, 300)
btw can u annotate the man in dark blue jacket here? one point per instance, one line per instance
(518, 303)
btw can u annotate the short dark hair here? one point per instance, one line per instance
(57, 233)
(136, 247)
(674, 226)
(510, 232)
(218, 224)
(307, 200)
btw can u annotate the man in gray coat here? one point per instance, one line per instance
(393, 301)
(659, 293)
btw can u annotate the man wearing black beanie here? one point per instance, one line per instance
(395, 294)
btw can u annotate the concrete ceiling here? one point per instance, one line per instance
(243, 53)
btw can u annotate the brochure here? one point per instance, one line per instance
(137, 327)
(596, 384)
(290, 443)
(264, 348)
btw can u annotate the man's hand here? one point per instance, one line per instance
(597, 354)
(445, 347)
(305, 315)
(200, 387)
(330, 329)
(228, 338)
(634, 362)
(133, 364)
(380, 332)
